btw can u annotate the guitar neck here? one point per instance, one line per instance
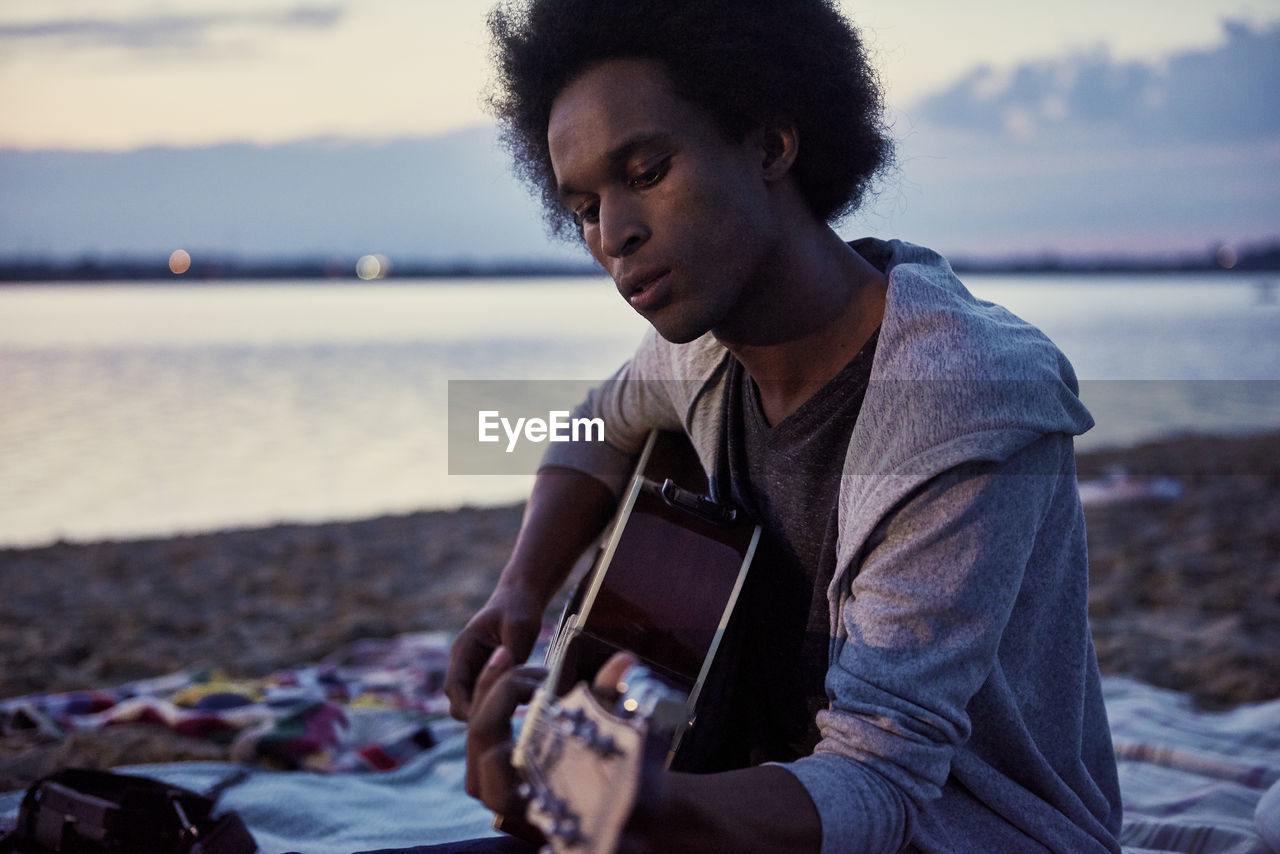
(662, 587)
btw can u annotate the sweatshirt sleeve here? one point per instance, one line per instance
(636, 399)
(918, 637)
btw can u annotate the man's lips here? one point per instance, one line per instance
(644, 289)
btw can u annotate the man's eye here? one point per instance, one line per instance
(652, 175)
(586, 214)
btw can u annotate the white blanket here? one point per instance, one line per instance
(1191, 781)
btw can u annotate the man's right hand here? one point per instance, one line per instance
(565, 513)
(512, 618)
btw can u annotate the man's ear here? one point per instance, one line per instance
(779, 144)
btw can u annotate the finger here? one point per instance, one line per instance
(499, 662)
(605, 685)
(494, 706)
(490, 724)
(519, 636)
(467, 658)
(498, 781)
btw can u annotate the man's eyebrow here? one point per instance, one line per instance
(620, 154)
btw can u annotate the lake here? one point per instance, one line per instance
(148, 409)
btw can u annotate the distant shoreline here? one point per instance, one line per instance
(1257, 259)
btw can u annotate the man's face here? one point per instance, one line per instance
(677, 213)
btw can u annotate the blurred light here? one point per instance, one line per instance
(373, 267)
(1227, 257)
(179, 262)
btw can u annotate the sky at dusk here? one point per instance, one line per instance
(1092, 125)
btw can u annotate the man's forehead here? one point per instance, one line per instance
(613, 108)
(621, 91)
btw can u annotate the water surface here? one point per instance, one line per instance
(143, 409)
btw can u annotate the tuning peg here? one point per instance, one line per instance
(605, 747)
(568, 830)
(551, 806)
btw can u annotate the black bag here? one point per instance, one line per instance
(81, 811)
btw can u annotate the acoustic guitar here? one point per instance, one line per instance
(663, 585)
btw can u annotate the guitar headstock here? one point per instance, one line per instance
(582, 762)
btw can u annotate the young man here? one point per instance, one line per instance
(919, 667)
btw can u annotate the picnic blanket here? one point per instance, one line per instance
(367, 707)
(357, 752)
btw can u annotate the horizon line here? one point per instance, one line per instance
(88, 266)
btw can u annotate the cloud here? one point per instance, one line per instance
(1222, 94)
(1087, 153)
(165, 31)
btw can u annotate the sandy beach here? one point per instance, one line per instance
(1185, 594)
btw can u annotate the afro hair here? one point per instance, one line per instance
(750, 63)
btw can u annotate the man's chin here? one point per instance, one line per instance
(675, 331)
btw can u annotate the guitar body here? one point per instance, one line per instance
(662, 587)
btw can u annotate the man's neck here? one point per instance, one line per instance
(809, 316)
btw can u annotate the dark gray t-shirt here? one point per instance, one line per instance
(787, 477)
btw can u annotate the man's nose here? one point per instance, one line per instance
(622, 228)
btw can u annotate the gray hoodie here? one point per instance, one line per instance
(965, 710)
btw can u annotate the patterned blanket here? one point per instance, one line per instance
(368, 707)
(1192, 781)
